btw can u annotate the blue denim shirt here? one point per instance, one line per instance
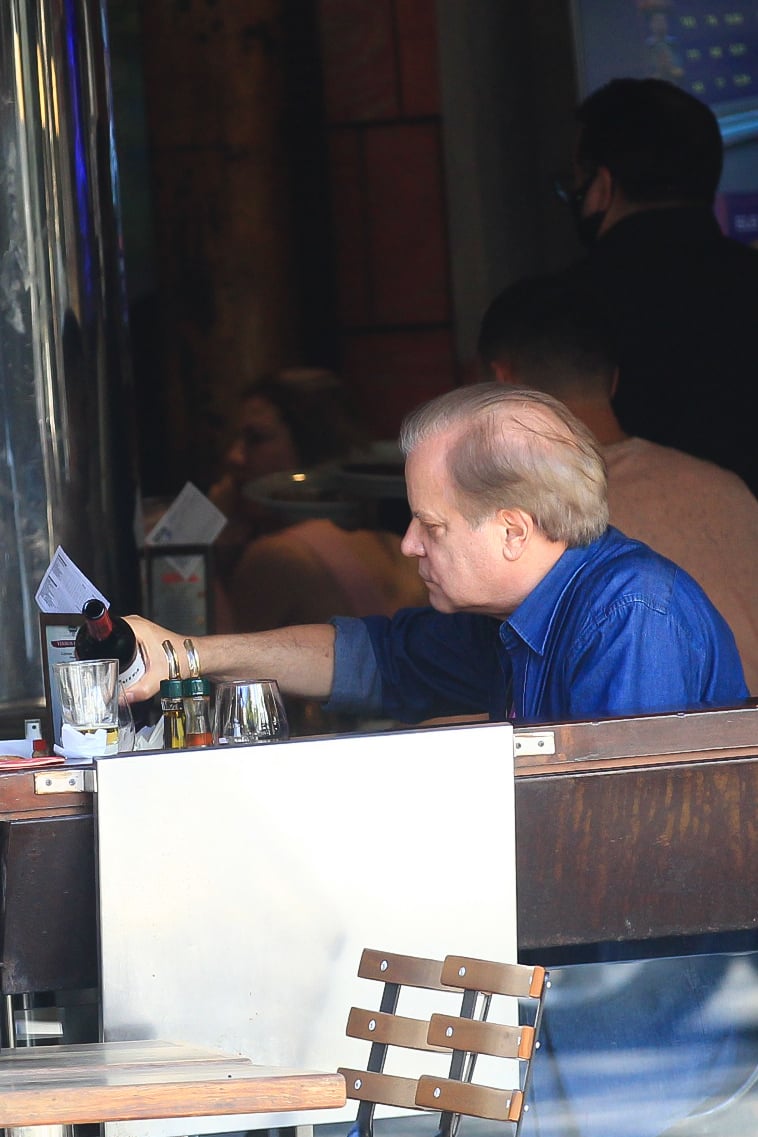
(612, 629)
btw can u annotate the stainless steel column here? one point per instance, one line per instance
(67, 450)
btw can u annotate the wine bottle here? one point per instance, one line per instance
(105, 636)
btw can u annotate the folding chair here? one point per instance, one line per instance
(464, 1037)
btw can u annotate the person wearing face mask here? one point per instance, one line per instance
(680, 298)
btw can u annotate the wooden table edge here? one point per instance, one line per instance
(132, 1100)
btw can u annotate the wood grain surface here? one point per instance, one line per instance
(119, 1081)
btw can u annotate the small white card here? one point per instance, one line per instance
(191, 519)
(64, 587)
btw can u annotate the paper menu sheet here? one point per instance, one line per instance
(64, 587)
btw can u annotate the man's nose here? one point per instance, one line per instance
(411, 544)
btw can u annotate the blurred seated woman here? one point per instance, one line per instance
(275, 574)
(295, 419)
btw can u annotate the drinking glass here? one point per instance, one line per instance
(249, 712)
(88, 695)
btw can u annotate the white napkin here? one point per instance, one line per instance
(77, 745)
(150, 737)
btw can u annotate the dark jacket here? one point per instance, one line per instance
(682, 303)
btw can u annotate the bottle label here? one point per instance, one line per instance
(134, 671)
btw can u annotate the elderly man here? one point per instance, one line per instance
(540, 611)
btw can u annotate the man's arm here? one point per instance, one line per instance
(301, 659)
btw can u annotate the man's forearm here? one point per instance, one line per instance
(301, 659)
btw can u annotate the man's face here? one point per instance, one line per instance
(462, 567)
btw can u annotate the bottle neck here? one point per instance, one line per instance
(101, 627)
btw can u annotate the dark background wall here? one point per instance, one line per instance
(334, 182)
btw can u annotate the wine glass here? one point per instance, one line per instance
(249, 712)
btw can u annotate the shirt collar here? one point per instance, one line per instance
(533, 618)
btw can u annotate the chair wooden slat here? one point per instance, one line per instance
(481, 1037)
(393, 1030)
(472, 1100)
(388, 1089)
(515, 979)
(406, 970)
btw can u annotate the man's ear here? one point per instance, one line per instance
(517, 527)
(601, 193)
(503, 373)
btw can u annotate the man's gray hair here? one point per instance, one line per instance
(513, 448)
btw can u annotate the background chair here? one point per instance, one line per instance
(463, 1036)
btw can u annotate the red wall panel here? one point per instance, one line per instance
(349, 207)
(392, 372)
(360, 64)
(381, 82)
(407, 244)
(419, 66)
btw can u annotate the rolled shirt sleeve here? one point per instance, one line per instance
(357, 684)
(418, 664)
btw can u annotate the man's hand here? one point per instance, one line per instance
(150, 638)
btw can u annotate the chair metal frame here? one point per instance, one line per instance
(463, 1036)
